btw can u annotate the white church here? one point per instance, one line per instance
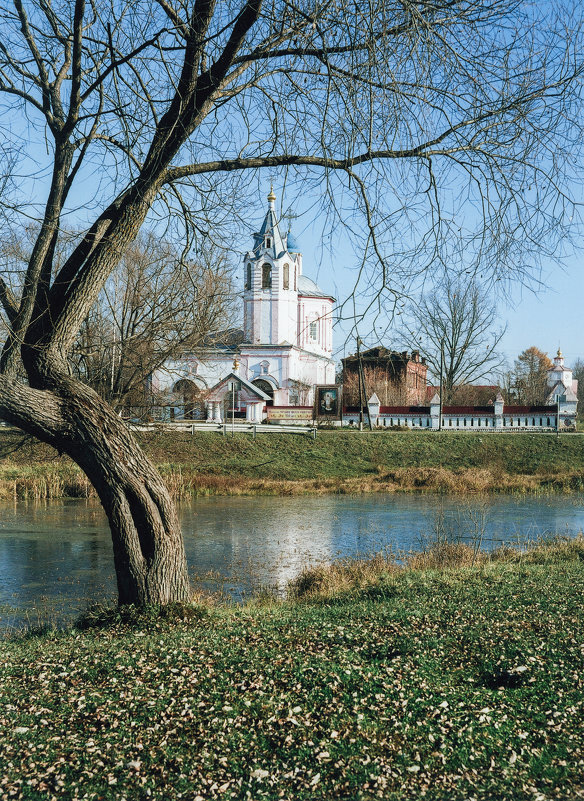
(561, 383)
(282, 353)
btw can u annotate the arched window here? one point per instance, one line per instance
(267, 276)
(268, 242)
(264, 368)
(286, 276)
(266, 387)
(248, 277)
(313, 331)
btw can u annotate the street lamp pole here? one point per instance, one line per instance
(441, 373)
(361, 388)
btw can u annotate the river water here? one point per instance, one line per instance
(55, 558)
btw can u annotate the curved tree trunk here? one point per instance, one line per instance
(147, 541)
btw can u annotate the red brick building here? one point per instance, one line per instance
(396, 378)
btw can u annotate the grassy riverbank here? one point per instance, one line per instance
(344, 461)
(463, 682)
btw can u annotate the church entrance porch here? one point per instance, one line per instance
(236, 398)
(233, 409)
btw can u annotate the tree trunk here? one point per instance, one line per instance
(147, 541)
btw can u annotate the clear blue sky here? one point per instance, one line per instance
(553, 316)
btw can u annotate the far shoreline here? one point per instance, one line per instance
(337, 462)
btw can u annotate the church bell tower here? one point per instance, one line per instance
(270, 274)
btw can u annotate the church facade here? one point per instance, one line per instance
(285, 347)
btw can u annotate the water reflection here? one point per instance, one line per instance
(57, 556)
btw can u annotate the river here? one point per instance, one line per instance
(55, 558)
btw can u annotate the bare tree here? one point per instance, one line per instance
(578, 374)
(153, 308)
(530, 376)
(147, 109)
(390, 393)
(454, 326)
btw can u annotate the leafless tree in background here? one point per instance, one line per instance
(578, 374)
(455, 324)
(154, 307)
(390, 393)
(415, 123)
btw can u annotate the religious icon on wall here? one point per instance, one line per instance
(328, 401)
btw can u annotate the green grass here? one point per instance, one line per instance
(465, 683)
(342, 461)
(351, 454)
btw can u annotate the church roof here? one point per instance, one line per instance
(560, 388)
(270, 228)
(292, 245)
(308, 289)
(223, 386)
(228, 339)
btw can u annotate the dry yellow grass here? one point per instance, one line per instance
(40, 484)
(344, 576)
(44, 481)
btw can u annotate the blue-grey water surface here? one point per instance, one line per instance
(55, 558)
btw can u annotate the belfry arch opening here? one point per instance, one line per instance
(266, 276)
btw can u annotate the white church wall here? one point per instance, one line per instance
(315, 325)
(203, 372)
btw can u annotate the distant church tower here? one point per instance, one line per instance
(286, 346)
(560, 380)
(271, 272)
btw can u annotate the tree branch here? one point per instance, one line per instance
(37, 412)
(8, 301)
